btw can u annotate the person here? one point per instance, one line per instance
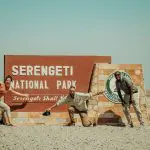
(129, 89)
(77, 104)
(5, 88)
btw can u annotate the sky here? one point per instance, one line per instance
(117, 28)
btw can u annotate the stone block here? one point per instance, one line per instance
(14, 114)
(23, 114)
(20, 120)
(105, 104)
(35, 114)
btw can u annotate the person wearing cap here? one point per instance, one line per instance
(77, 104)
(129, 89)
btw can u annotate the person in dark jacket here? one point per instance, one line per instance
(129, 89)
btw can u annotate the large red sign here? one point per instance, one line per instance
(47, 78)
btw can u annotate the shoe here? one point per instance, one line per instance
(131, 125)
(94, 123)
(141, 123)
(10, 124)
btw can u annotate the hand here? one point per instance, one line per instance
(25, 103)
(123, 103)
(100, 92)
(131, 98)
(49, 109)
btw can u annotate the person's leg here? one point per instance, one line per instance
(85, 120)
(7, 114)
(137, 109)
(126, 109)
(4, 117)
(71, 111)
(127, 114)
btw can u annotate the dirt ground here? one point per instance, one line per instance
(74, 138)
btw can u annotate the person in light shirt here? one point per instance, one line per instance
(5, 88)
(77, 104)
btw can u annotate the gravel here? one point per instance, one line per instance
(43, 137)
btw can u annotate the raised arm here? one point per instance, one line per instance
(87, 96)
(97, 93)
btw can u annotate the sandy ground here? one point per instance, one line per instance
(74, 138)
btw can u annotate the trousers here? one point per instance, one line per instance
(5, 108)
(83, 115)
(135, 104)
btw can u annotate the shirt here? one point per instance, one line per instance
(79, 101)
(125, 85)
(3, 90)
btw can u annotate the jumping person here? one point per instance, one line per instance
(4, 89)
(77, 104)
(129, 89)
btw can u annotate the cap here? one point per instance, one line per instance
(46, 113)
(117, 73)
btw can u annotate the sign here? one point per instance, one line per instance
(47, 78)
(110, 88)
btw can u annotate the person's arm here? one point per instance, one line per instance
(58, 103)
(119, 93)
(97, 93)
(18, 94)
(130, 86)
(120, 96)
(50, 108)
(131, 95)
(87, 96)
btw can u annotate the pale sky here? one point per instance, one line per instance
(118, 28)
